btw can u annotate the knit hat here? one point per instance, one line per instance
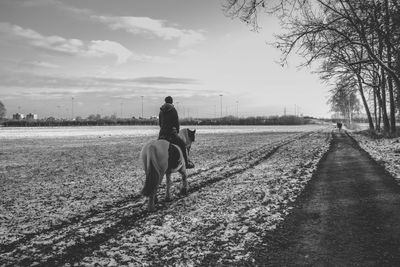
(169, 100)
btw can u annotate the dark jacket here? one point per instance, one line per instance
(168, 120)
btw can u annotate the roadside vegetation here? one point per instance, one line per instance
(98, 120)
(386, 152)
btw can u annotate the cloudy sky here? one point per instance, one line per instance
(81, 57)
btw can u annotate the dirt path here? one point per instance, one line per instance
(348, 215)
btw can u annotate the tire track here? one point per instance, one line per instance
(5, 248)
(71, 242)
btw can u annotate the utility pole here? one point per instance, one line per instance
(59, 111)
(122, 103)
(220, 100)
(72, 107)
(142, 106)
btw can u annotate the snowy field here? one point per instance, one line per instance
(384, 151)
(121, 131)
(74, 199)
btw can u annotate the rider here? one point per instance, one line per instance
(169, 128)
(339, 125)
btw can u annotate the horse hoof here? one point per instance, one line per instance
(184, 191)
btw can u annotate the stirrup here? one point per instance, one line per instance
(189, 165)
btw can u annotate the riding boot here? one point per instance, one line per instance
(175, 139)
(188, 163)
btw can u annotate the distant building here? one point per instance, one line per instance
(18, 116)
(31, 116)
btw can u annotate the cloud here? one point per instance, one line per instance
(9, 64)
(33, 80)
(146, 25)
(103, 48)
(30, 3)
(183, 52)
(41, 64)
(58, 44)
(164, 80)
(24, 84)
(134, 25)
(56, 3)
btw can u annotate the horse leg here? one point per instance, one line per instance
(151, 205)
(168, 190)
(184, 189)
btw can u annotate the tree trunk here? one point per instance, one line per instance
(392, 108)
(390, 80)
(379, 117)
(374, 88)
(361, 90)
(382, 103)
(382, 96)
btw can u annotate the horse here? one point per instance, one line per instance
(158, 159)
(339, 125)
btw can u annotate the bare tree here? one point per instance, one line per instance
(343, 97)
(357, 36)
(3, 111)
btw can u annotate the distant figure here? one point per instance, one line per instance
(339, 125)
(169, 128)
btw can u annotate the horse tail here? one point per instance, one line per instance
(152, 173)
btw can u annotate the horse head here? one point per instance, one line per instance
(191, 135)
(188, 136)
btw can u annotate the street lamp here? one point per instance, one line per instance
(72, 107)
(220, 100)
(59, 111)
(237, 109)
(142, 105)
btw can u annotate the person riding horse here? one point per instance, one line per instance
(169, 128)
(339, 126)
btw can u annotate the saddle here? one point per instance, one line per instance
(173, 157)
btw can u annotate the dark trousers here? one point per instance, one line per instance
(177, 140)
